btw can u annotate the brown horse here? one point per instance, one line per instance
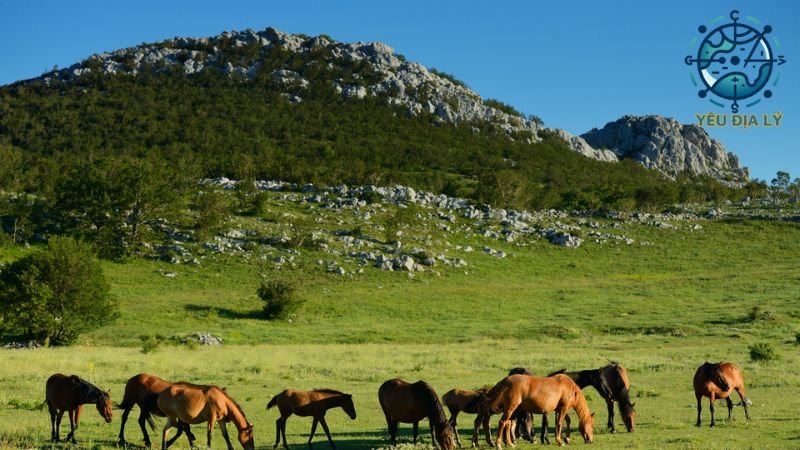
(309, 403)
(405, 402)
(466, 400)
(192, 404)
(612, 383)
(70, 393)
(143, 390)
(539, 395)
(717, 381)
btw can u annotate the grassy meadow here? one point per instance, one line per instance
(659, 309)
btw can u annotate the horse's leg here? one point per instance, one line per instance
(73, 423)
(560, 413)
(543, 434)
(454, 425)
(392, 424)
(327, 431)
(711, 399)
(729, 404)
(610, 424)
(211, 422)
(313, 430)
(277, 432)
(569, 427)
(124, 419)
(415, 428)
(223, 426)
(53, 416)
(143, 414)
(699, 408)
(745, 401)
(283, 432)
(164, 433)
(487, 430)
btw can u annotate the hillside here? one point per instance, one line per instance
(271, 105)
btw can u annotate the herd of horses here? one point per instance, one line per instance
(516, 397)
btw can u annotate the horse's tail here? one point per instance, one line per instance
(41, 406)
(273, 402)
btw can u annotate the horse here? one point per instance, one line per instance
(539, 395)
(523, 420)
(611, 381)
(192, 404)
(466, 400)
(143, 390)
(70, 393)
(717, 381)
(405, 402)
(309, 403)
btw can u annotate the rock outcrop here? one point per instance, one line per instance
(668, 146)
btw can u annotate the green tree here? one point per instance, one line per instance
(55, 294)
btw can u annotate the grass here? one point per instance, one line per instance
(660, 309)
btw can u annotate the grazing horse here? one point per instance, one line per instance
(192, 404)
(70, 393)
(539, 395)
(717, 381)
(523, 420)
(611, 382)
(405, 402)
(143, 390)
(466, 400)
(309, 403)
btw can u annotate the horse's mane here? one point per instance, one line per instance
(713, 372)
(520, 371)
(559, 371)
(330, 391)
(581, 407)
(437, 415)
(88, 389)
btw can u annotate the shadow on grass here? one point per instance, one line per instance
(226, 313)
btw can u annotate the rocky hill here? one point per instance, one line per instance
(666, 145)
(373, 69)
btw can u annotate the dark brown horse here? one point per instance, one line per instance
(612, 383)
(405, 402)
(539, 395)
(466, 400)
(70, 393)
(718, 381)
(143, 390)
(309, 403)
(192, 404)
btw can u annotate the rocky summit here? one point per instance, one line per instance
(655, 142)
(668, 146)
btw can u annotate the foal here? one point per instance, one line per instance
(309, 403)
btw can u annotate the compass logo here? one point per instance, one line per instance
(735, 62)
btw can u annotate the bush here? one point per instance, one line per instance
(150, 343)
(763, 351)
(56, 294)
(279, 297)
(797, 338)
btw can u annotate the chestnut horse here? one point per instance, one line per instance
(612, 383)
(539, 395)
(70, 393)
(192, 404)
(717, 381)
(143, 390)
(466, 400)
(405, 402)
(523, 420)
(309, 403)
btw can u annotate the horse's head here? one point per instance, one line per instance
(349, 407)
(246, 437)
(628, 415)
(444, 436)
(586, 427)
(104, 405)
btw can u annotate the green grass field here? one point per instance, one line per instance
(659, 309)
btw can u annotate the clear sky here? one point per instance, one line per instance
(576, 64)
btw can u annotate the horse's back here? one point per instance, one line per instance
(143, 390)
(404, 401)
(189, 403)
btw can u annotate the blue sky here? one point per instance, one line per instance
(576, 64)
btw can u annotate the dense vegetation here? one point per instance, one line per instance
(209, 124)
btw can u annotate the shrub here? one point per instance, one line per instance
(279, 297)
(797, 338)
(150, 343)
(56, 294)
(763, 351)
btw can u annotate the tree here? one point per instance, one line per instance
(780, 185)
(56, 294)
